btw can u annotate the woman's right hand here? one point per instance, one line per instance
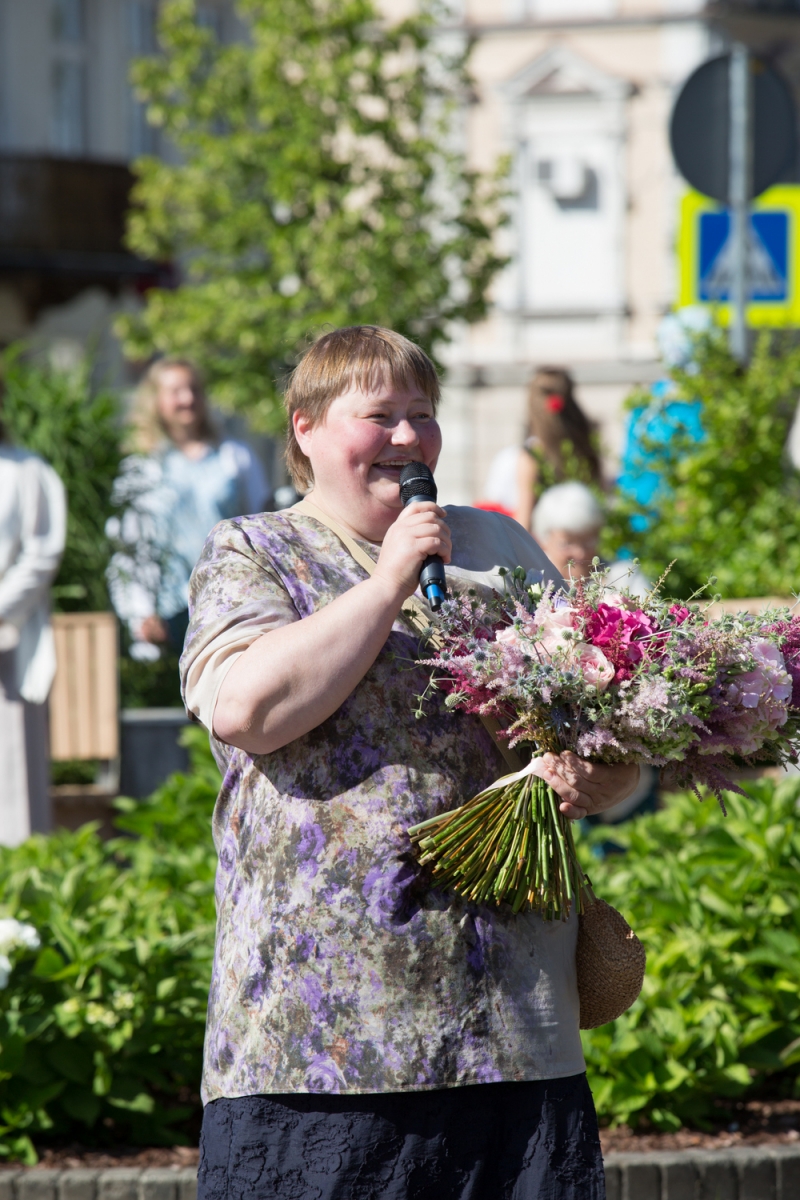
(420, 530)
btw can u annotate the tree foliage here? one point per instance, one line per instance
(728, 505)
(76, 428)
(318, 185)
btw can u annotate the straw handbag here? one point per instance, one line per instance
(610, 959)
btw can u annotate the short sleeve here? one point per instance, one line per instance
(235, 596)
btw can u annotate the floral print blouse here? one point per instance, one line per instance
(337, 967)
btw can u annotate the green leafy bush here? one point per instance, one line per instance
(729, 505)
(715, 901)
(76, 428)
(101, 1027)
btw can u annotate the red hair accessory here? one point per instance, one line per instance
(555, 402)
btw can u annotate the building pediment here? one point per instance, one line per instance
(559, 72)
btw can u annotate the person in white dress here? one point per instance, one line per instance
(182, 480)
(33, 527)
(558, 445)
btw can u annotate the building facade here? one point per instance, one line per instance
(578, 93)
(69, 126)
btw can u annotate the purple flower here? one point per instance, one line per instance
(386, 891)
(311, 841)
(324, 1075)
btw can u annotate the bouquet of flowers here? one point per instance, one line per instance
(615, 679)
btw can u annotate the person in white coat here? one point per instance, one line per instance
(33, 527)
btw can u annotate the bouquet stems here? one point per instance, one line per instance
(509, 843)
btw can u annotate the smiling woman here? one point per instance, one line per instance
(367, 1034)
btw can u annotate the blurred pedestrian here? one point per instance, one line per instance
(558, 446)
(658, 430)
(33, 527)
(567, 523)
(181, 481)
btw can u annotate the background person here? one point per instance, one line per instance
(558, 445)
(33, 529)
(567, 523)
(365, 1032)
(183, 479)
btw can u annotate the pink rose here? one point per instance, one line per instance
(509, 635)
(554, 624)
(596, 668)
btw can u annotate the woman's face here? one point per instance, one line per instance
(571, 553)
(359, 448)
(180, 403)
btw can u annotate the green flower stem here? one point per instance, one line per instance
(506, 845)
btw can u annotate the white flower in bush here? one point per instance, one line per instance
(14, 935)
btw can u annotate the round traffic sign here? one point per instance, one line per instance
(699, 131)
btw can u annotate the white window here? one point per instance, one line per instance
(68, 77)
(568, 128)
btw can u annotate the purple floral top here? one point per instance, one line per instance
(337, 968)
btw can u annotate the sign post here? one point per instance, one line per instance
(740, 189)
(733, 134)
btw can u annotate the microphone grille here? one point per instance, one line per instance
(417, 480)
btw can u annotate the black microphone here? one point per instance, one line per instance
(416, 483)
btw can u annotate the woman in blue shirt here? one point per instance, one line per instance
(181, 481)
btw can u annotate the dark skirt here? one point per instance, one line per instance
(494, 1141)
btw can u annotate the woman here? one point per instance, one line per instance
(367, 1035)
(180, 483)
(558, 446)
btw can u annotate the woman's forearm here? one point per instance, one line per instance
(292, 679)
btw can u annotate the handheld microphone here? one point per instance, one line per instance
(416, 483)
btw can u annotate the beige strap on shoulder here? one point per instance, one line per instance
(414, 611)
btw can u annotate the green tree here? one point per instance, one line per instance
(76, 429)
(728, 505)
(317, 186)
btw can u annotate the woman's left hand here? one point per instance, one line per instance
(587, 787)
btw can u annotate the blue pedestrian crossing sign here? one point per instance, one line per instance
(706, 256)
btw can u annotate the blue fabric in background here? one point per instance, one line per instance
(650, 430)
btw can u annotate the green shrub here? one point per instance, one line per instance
(76, 428)
(101, 1027)
(716, 902)
(728, 505)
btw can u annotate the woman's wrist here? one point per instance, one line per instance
(392, 593)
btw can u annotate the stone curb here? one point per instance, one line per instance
(118, 1183)
(755, 1173)
(748, 1173)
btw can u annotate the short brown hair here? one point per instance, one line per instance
(362, 356)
